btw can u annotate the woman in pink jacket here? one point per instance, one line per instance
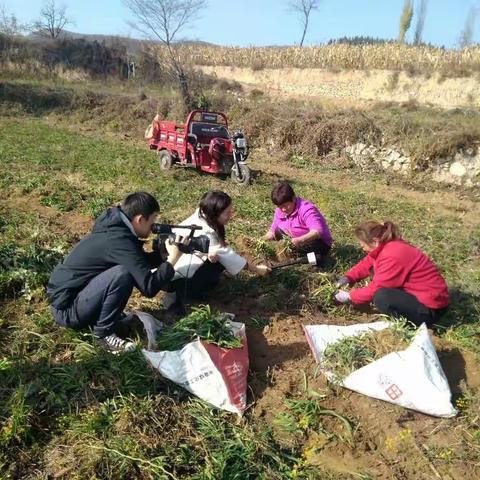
(405, 282)
(299, 220)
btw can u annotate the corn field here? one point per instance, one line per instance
(420, 59)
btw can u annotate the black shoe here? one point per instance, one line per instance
(176, 311)
(129, 326)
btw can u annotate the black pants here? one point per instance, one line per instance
(316, 246)
(100, 304)
(206, 278)
(396, 303)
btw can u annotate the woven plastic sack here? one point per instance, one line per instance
(216, 375)
(412, 378)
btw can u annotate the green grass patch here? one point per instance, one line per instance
(66, 406)
(202, 323)
(352, 353)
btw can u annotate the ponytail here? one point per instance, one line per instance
(384, 232)
(392, 232)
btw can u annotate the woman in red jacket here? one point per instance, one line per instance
(405, 282)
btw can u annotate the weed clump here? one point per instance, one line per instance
(308, 414)
(25, 268)
(285, 249)
(322, 293)
(204, 324)
(260, 249)
(351, 353)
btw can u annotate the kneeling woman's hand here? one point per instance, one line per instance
(260, 269)
(263, 269)
(213, 257)
(342, 296)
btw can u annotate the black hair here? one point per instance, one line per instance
(282, 192)
(211, 206)
(139, 203)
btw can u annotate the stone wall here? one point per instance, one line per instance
(462, 169)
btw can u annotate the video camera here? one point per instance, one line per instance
(195, 244)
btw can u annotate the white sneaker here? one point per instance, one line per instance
(115, 344)
(168, 299)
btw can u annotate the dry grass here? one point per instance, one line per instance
(420, 59)
(424, 134)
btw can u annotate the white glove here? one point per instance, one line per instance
(342, 296)
(342, 281)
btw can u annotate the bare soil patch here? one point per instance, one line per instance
(75, 224)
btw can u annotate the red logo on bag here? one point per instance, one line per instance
(393, 392)
(233, 366)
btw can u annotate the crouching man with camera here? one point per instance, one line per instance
(92, 285)
(200, 271)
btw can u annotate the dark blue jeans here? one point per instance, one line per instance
(100, 304)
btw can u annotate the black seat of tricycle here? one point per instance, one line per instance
(206, 131)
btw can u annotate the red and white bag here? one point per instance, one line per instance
(216, 375)
(412, 378)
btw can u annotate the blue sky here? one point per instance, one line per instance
(269, 22)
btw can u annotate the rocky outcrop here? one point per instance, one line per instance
(462, 169)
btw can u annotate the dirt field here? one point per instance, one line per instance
(67, 410)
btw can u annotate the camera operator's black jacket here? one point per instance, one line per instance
(110, 243)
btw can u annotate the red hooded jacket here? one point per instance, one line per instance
(397, 264)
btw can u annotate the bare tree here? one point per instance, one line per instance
(466, 36)
(10, 29)
(304, 8)
(405, 20)
(9, 24)
(163, 20)
(421, 14)
(52, 21)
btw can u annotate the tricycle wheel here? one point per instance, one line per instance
(165, 159)
(241, 174)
